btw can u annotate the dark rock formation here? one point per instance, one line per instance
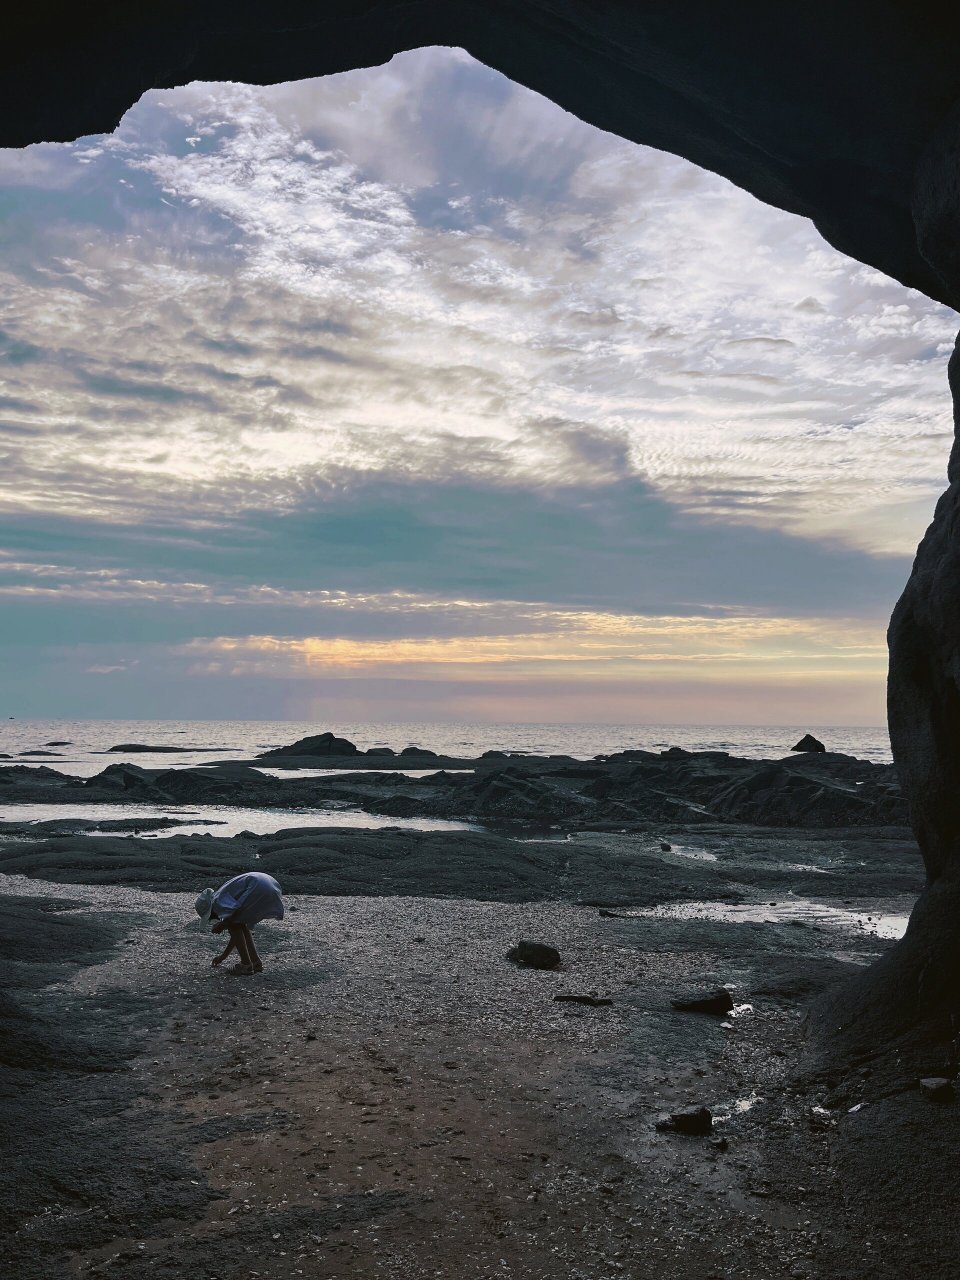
(23, 774)
(534, 955)
(775, 796)
(696, 1122)
(937, 1088)
(809, 791)
(809, 743)
(133, 781)
(719, 1001)
(139, 747)
(323, 744)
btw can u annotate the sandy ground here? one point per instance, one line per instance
(393, 1099)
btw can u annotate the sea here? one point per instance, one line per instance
(87, 740)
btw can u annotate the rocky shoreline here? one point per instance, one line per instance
(809, 790)
(393, 1098)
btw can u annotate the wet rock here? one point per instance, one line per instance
(594, 1002)
(517, 793)
(419, 751)
(142, 747)
(321, 744)
(696, 1122)
(801, 794)
(719, 1001)
(937, 1088)
(534, 955)
(665, 846)
(128, 778)
(213, 786)
(809, 743)
(381, 751)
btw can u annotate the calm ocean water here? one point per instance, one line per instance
(221, 739)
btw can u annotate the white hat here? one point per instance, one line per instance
(204, 904)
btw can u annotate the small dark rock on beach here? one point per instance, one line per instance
(719, 1001)
(534, 955)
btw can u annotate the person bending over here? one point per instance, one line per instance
(235, 908)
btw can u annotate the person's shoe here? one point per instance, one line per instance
(242, 970)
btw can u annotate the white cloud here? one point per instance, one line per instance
(419, 269)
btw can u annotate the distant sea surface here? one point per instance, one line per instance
(226, 739)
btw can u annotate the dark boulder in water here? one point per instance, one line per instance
(135, 783)
(321, 744)
(809, 743)
(144, 748)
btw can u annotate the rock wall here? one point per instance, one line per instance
(924, 636)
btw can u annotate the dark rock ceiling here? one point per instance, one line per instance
(823, 107)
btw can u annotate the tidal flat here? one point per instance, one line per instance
(394, 1098)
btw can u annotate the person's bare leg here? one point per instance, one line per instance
(252, 951)
(218, 960)
(238, 936)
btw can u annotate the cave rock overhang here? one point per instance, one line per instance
(826, 108)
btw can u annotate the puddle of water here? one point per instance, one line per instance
(704, 855)
(334, 773)
(874, 924)
(228, 821)
(567, 839)
(690, 851)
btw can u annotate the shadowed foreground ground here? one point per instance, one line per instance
(393, 1099)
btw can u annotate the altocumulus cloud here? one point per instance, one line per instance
(332, 363)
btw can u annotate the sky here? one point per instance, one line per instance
(404, 394)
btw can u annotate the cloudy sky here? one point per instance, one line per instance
(404, 394)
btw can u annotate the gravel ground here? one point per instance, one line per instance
(392, 1099)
